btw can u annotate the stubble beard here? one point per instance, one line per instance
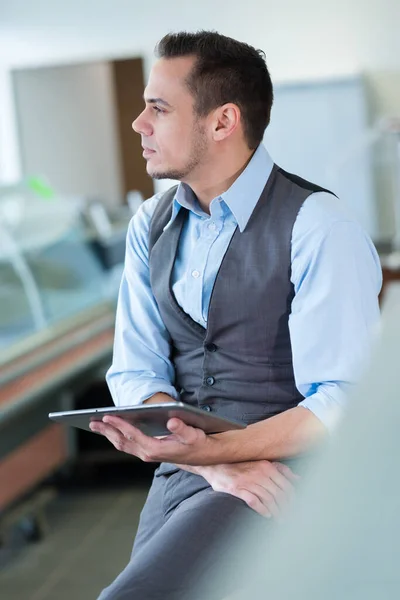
(198, 150)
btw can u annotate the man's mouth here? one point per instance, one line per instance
(147, 152)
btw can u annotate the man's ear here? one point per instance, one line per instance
(226, 120)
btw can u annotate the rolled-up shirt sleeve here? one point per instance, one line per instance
(141, 364)
(337, 277)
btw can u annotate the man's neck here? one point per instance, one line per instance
(218, 179)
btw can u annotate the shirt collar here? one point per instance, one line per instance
(241, 198)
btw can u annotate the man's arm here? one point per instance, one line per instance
(141, 365)
(337, 277)
(292, 433)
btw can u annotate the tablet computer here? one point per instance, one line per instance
(151, 419)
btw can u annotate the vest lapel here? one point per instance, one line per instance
(163, 258)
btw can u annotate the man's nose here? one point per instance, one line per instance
(141, 126)
(136, 125)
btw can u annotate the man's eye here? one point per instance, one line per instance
(158, 110)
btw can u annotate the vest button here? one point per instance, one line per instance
(207, 408)
(210, 381)
(211, 347)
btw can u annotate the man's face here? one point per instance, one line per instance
(173, 137)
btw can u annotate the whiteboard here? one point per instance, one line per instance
(319, 131)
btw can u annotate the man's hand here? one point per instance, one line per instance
(266, 487)
(186, 445)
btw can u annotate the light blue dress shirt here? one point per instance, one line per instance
(336, 275)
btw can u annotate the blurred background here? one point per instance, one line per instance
(72, 175)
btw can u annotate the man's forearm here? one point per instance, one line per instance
(292, 433)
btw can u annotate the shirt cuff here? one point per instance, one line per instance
(328, 410)
(132, 394)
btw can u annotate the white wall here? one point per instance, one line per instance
(308, 39)
(72, 109)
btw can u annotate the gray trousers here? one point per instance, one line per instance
(185, 533)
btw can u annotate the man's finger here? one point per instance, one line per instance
(100, 427)
(268, 500)
(111, 433)
(253, 502)
(280, 497)
(282, 482)
(286, 471)
(121, 441)
(96, 427)
(182, 432)
(131, 433)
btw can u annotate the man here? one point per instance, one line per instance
(248, 292)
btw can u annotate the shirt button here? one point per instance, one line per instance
(211, 347)
(210, 381)
(207, 408)
(212, 226)
(195, 274)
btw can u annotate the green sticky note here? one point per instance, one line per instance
(40, 188)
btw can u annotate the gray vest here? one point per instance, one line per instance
(241, 366)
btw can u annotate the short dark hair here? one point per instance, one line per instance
(225, 70)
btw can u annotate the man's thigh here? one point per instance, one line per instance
(189, 547)
(167, 492)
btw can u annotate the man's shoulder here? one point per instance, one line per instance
(145, 212)
(321, 211)
(139, 230)
(149, 206)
